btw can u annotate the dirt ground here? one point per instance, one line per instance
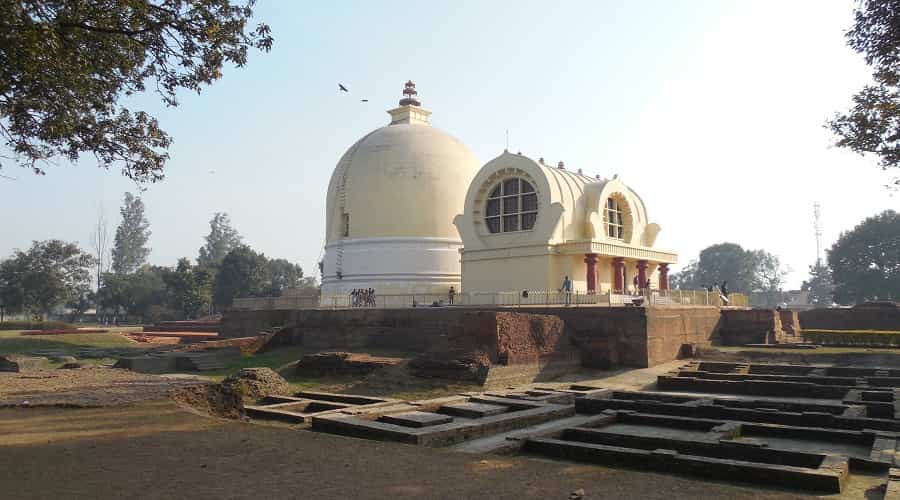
(85, 387)
(160, 450)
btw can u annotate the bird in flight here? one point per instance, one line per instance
(363, 100)
(342, 88)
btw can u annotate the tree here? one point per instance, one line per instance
(12, 294)
(768, 274)
(65, 67)
(221, 239)
(872, 125)
(100, 243)
(48, 274)
(189, 288)
(134, 294)
(242, 273)
(130, 250)
(820, 285)
(865, 262)
(283, 275)
(721, 262)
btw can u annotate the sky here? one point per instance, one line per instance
(713, 111)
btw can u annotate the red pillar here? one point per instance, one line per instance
(591, 260)
(642, 274)
(663, 276)
(619, 274)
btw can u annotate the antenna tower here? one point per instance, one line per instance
(817, 228)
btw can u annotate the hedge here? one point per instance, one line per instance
(870, 338)
(35, 325)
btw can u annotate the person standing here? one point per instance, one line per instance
(451, 294)
(567, 289)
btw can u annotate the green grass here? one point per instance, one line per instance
(13, 342)
(862, 332)
(811, 352)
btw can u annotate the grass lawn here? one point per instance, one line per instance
(812, 352)
(394, 382)
(13, 342)
(851, 332)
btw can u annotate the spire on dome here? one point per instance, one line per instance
(409, 90)
(410, 110)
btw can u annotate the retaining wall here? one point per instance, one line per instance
(605, 336)
(856, 318)
(751, 326)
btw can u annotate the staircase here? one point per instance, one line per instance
(200, 361)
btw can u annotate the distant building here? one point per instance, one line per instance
(793, 299)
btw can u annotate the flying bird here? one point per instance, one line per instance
(342, 88)
(363, 100)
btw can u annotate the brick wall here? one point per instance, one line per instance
(605, 336)
(856, 318)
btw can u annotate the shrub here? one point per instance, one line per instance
(35, 325)
(869, 338)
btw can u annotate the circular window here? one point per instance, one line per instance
(511, 206)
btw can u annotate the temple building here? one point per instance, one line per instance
(390, 208)
(526, 225)
(410, 210)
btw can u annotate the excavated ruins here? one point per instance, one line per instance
(803, 427)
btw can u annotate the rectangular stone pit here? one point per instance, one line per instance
(703, 447)
(395, 424)
(302, 406)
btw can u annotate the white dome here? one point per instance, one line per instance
(404, 179)
(390, 208)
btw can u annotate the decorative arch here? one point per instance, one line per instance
(507, 201)
(618, 217)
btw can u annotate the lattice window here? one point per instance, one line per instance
(615, 227)
(511, 206)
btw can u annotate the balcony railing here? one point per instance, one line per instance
(530, 298)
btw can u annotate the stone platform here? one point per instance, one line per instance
(802, 427)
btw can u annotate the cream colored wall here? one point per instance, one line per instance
(509, 274)
(401, 180)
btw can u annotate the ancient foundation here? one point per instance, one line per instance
(603, 336)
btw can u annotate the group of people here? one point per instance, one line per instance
(722, 290)
(362, 297)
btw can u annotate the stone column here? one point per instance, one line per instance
(642, 274)
(663, 276)
(591, 260)
(619, 274)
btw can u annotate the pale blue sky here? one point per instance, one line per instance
(711, 110)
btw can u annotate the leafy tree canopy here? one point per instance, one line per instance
(130, 244)
(242, 273)
(66, 65)
(820, 285)
(717, 263)
(189, 288)
(49, 274)
(743, 270)
(865, 261)
(220, 240)
(283, 275)
(872, 125)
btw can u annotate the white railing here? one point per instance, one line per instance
(530, 298)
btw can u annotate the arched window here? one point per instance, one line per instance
(615, 227)
(511, 206)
